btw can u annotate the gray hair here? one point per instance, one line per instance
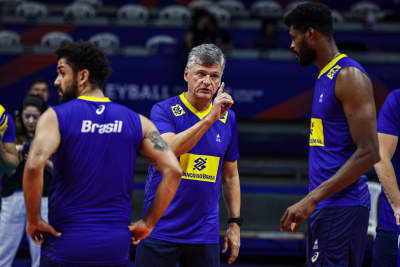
(206, 54)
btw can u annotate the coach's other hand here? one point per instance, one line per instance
(139, 230)
(297, 214)
(222, 103)
(36, 230)
(232, 238)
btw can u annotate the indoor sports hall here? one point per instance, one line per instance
(147, 43)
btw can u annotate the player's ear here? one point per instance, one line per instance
(186, 75)
(83, 77)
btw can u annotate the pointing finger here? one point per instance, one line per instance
(221, 89)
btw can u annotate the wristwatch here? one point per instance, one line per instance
(238, 220)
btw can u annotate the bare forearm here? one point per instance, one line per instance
(165, 193)
(357, 165)
(231, 192)
(33, 189)
(8, 161)
(186, 140)
(387, 178)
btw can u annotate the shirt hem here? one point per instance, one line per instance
(394, 229)
(328, 205)
(184, 241)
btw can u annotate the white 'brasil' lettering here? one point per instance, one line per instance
(89, 126)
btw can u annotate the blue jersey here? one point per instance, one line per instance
(9, 135)
(331, 144)
(193, 215)
(90, 192)
(389, 123)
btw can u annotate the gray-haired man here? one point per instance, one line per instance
(203, 134)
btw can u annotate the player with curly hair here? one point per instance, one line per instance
(93, 143)
(343, 144)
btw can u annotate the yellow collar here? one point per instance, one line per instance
(331, 64)
(94, 99)
(199, 114)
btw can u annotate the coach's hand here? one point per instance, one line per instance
(36, 231)
(232, 238)
(221, 104)
(139, 230)
(297, 213)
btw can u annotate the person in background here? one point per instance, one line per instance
(268, 38)
(8, 153)
(40, 86)
(199, 30)
(219, 37)
(13, 211)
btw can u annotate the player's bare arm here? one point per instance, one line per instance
(231, 192)
(386, 174)
(354, 91)
(46, 142)
(157, 152)
(183, 142)
(8, 156)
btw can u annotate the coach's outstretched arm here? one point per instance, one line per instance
(46, 142)
(160, 156)
(354, 91)
(8, 156)
(183, 142)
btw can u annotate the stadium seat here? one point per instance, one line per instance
(375, 191)
(31, 9)
(134, 12)
(266, 6)
(293, 5)
(337, 18)
(154, 41)
(9, 38)
(79, 10)
(105, 40)
(176, 13)
(95, 3)
(364, 7)
(54, 38)
(200, 4)
(231, 5)
(222, 15)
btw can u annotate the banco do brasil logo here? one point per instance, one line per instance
(200, 164)
(312, 128)
(177, 110)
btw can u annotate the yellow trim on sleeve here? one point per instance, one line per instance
(199, 114)
(94, 99)
(330, 65)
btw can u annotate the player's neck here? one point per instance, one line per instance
(198, 103)
(98, 93)
(327, 52)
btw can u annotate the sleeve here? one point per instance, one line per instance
(162, 119)
(232, 153)
(388, 119)
(9, 135)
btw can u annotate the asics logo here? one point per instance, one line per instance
(200, 164)
(100, 109)
(89, 126)
(315, 257)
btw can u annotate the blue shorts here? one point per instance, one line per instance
(337, 236)
(384, 253)
(153, 252)
(48, 262)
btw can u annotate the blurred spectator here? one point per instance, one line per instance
(217, 36)
(13, 211)
(268, 38)
(199, 31)
(40, 86)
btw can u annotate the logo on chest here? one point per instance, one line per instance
(316, 133)
(177, 110)
(199, 167)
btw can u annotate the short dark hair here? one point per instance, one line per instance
(39, 80)
(86, 55)
(311, 15)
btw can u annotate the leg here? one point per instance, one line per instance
(12, 225)
(359, 236)
(35, 249)
(153, 252)
(200, 255)
(385, 248)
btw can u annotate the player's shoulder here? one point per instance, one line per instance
(166, 104)
(393, 98)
